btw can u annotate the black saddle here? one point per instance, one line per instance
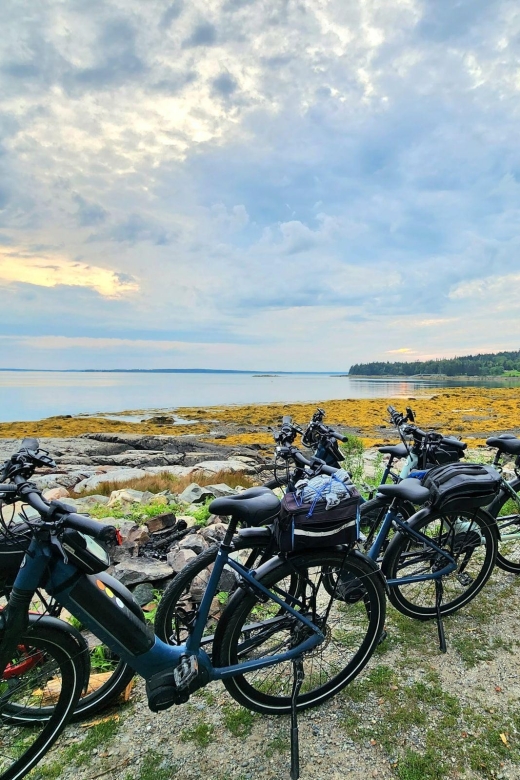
(395, 450)
(255, 506)
(509, 445)
(408, 490)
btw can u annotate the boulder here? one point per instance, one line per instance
(178, 559)
(160, 522)
(56, 493)
(221, 490)
(193, 542)
(143, 593)
(139, 534)
(209, 467)
(126, 496)
(195, 494)
(214, 533)
(159, 500)
(131, 571)
(88, 501)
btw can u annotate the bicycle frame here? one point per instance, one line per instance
(393, 518)
(99, 609)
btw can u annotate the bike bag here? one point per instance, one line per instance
(461, 486)
(302, 526)
(13, 546)
(448, 450)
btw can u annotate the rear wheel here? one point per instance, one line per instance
(178, 607)
(38, 691)
(351, 617)
(469, 537)
(507, 512)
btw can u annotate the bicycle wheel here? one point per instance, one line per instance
(469, 537)
(506, 510)
(109, 675)
(38, 691)
(352, 620)
(181, 599)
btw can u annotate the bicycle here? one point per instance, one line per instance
(267, 623)
(430, 449)
(104, 687)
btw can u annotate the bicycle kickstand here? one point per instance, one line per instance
(440, 625)
(298, 675)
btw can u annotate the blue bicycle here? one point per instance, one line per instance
(293, 609)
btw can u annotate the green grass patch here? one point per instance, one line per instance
(238, 721)
(202, 734)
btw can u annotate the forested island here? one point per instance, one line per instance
(493, 364)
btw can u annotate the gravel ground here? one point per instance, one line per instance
(330, 746)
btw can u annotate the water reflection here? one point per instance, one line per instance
(33, 395)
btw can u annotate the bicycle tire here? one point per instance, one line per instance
(470, 537)
(508, 556)
(179, 603)
(351, 644)
(53, 652)
(106, 694)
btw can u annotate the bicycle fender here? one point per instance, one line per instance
(61, 625)
(420, 515)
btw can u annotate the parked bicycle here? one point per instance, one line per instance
(110, 675)
(282, 615)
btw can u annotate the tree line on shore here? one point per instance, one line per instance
(493, 364)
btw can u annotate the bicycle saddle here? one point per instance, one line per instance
(511, 446)
(408, 489)
(396, 450)
(254, 506)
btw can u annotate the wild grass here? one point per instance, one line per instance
(158, 483)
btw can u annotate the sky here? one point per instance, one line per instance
(258, 184)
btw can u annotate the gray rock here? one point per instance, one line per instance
(93, 500)
(221, 490)
(131, 571)
(208, 467)
(214, 533)
(143, 593)
(160, 522)
(193, 542)
(195, 494)
(178, 559)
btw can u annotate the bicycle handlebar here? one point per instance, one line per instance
(105, 533)
(64, 514)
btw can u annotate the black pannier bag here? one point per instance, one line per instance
(448, 450)
(460, 486)
(307, 525)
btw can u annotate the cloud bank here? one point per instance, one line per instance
(281, 185)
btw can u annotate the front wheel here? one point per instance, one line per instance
(38, 692)
(351, 617)
(470, 537)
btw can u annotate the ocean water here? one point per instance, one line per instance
(33, 395)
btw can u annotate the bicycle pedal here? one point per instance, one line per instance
(186, 671)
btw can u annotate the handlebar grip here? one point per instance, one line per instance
(324, 469)
(301, 459)
(339, 437)
(8, 488)
(104, 533)
(30, 444)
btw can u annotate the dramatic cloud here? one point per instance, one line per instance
(296, 185)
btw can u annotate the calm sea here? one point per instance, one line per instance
(33, 395)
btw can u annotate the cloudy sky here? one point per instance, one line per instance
(258, 184)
